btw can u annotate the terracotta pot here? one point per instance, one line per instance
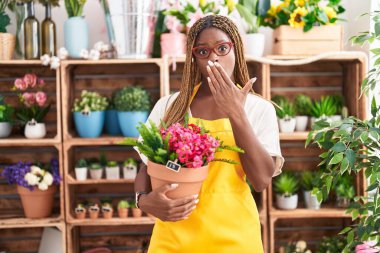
(80, 215)
(189, 180)
(98, 250)
(93, 214)
(37, 203)
(123, 212)
(137, 213)
(108, 214)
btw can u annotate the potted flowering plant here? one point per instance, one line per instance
(305, 27)
(36, 185)
(89, 114)
(122, 208)
(130, 168)
(6, 118)
(172, 159)
(34, 106)
(80, 211)
(112, 170)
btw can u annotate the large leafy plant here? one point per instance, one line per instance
(4, 18)
(352, 146)
(286, 184)
(324, 107)
(90, 102)
(132, 99)
(333, 244)
(6, 111)
(253, 12)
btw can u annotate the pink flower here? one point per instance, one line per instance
(30, 80)
(41, 98)
(367, 247)
(29, 99)
(20, 84)
(194, 17)
(41, 83)
(173, 24)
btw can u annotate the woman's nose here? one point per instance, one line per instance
(213, 57)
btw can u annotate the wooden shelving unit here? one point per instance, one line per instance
(14, 226)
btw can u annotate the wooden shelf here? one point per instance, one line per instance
(111, 61)
(113, 221)
(25, 222)
(72, 181)
(308, 213)
(22, 62)
(29, 142)
(103, 140)
(335, 56)
(296, 136)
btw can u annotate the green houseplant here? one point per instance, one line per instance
(96, 171)
(352, 146)
(112, 170)
(112, 126)
(333, 244)
(80, 211)
(285, 113)
(93, 210)
(89, 114)
(6, 118)
(308, 182)
(81, 170)
(286, 186)
(132, 104)
(252, 12)
(75, 28)
(295, 247)
(323, 109)
(130, 168)
(122, 208)
(344, 190)
(303, 104)
(107, 209)
(136, 212)
(7, 40)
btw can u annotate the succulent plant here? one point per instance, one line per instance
(344, 187)
(303, 105)
(123, 204)
(82, 163)
(90, 102)
(132, 99)
(286, 110)
(286, 184)
(95, 166)
(309, 180)
(130, 161)
(111, 164)
(324, 107)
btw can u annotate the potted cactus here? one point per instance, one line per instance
(107, 210)
(81, 170)
(96, 171)
(6, 118)
(130, 168)
(123, 208)
(286, 187)
(285, 114)
(80, 211)
(344, 190)
(93, 210)
(323, 109)
(302, 105)
(89, 114)
(308, 182)
(112, 170)
(136, 212)
(112, 126)
(132, 105)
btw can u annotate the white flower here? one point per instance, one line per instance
(55, 62)
(43, 186)
(84, 53)
(301, 245)
(63, 53)
(94, 55)
(99, 45)
(36, 170)
(308, 251)
(323, 4)
(48, 179)
(31, 179)
(45, 59)
(105, 47)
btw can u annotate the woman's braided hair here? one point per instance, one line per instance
(191, 73)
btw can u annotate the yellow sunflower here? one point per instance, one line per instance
(296, 17)
(280, 6)
(330, 12)
(272, 11)
(231, 5)
(300, 3)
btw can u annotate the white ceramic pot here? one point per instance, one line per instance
(342, 202)
(311, 201)
(287, 203)
(5, 129)
(81, 173)
(113, 172)
(34, 130)
(96, 174)
(314, 119)
(130, 171)
(287, 125)
(255, 44)
(335, 118)
(301, 123)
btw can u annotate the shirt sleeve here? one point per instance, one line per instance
(269, 137)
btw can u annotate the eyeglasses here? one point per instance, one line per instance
(220, 49)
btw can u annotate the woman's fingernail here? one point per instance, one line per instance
(195, 196)
(217, 64)
(186, 218)
(208, 68)
(193, 207)
(210, 63)
(196, 201)
(174, 185)
(209, 79)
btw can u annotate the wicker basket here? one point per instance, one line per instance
(7, 46)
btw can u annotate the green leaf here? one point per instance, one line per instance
(339, 147)
(345, 230)
(337, 158)
(351, 156)
(377, 29)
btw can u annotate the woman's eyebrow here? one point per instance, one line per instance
(205, 43)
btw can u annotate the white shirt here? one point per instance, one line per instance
(260, 113)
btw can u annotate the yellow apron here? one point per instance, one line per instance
(226, 219)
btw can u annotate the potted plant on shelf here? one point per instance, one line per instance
(285, 113)
(7, 40)
(322, 109)
(136, 212)
(112, 170)
(333, 244)
(295, 247)
(132, 105)
(341, 110)
(130, 169)
(169, 164)
(93, 210)
(107, 209)
(75, 28)
(344, 190)
(34, 106)
(36, 185)
(252, 12)
(305, 27)
(81, 170)
(96, 171)
(89, 114)
(6, 118)
(112, 126)
(286, 187)
(303, 106)
(308, 182)
(80, 211)
(123, 208)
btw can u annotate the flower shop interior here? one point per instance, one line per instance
(72, 70)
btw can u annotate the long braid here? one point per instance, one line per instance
(191, 74)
